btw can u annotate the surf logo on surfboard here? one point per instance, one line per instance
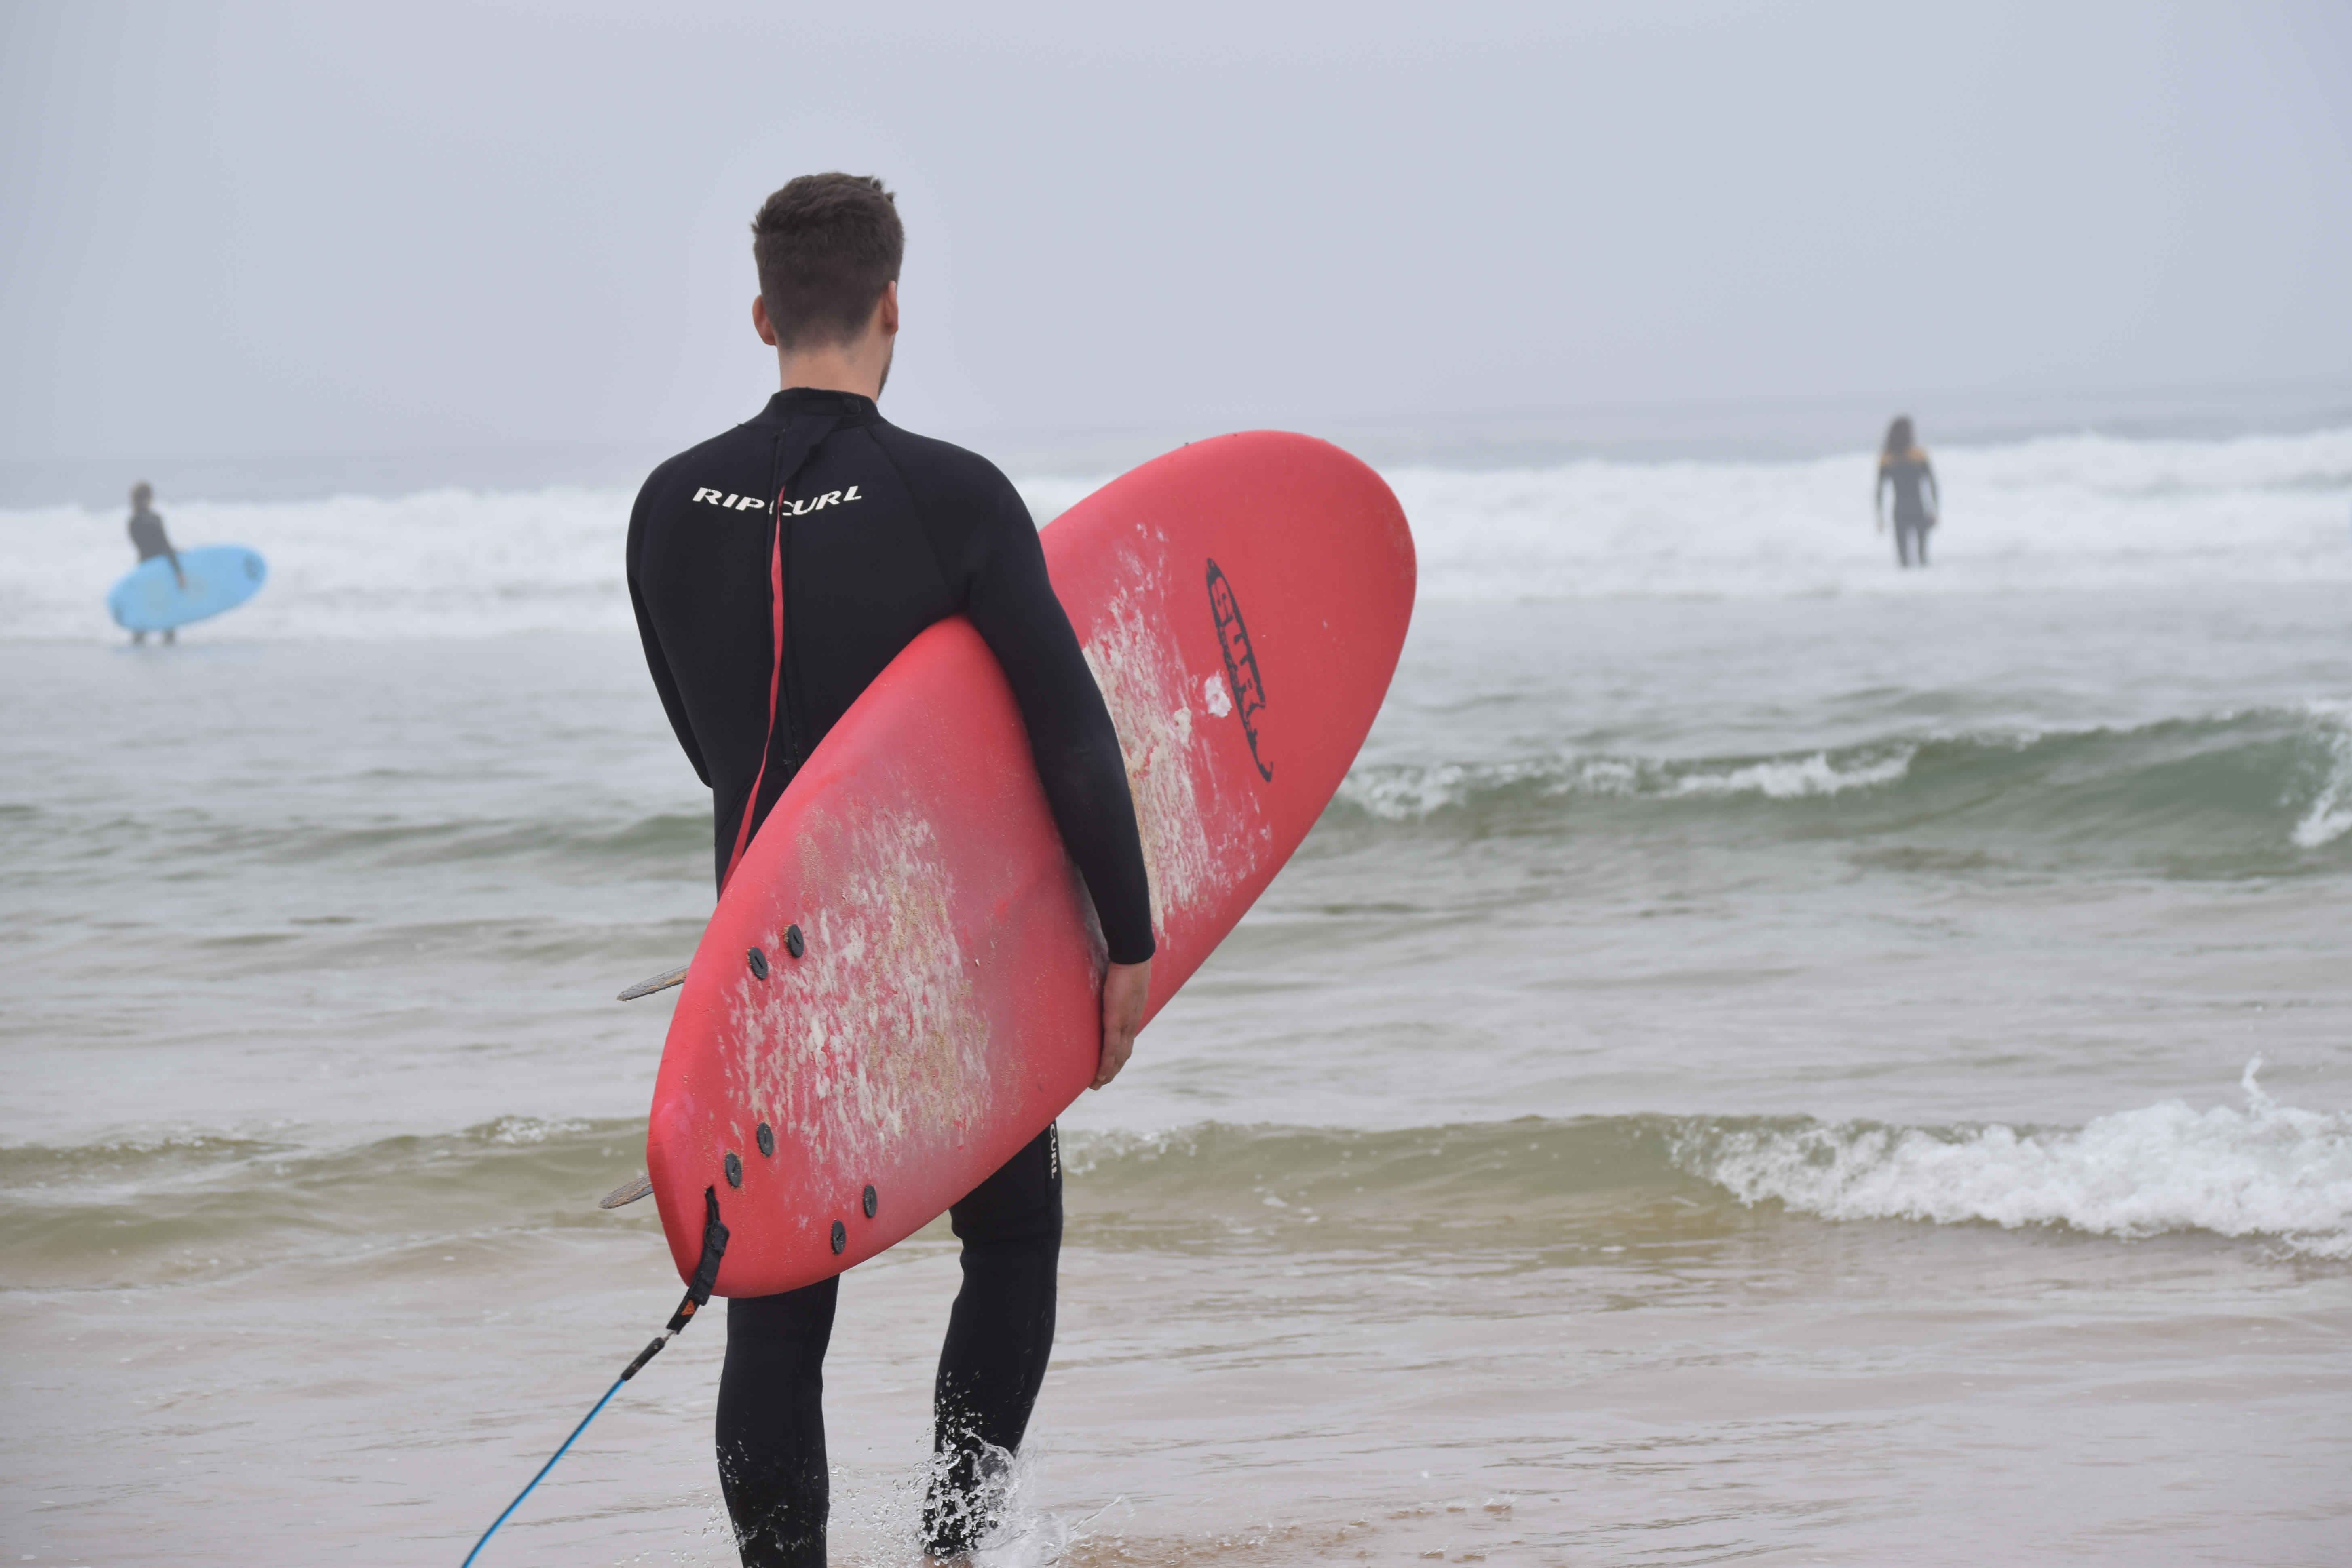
(1241, 661)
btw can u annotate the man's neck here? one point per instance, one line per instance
(853, 368)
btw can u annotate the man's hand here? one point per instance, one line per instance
(1126, 988)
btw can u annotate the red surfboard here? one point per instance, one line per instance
(898, 988)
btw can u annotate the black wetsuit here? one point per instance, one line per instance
(882, 534)
(147, 538)
(1915, 501)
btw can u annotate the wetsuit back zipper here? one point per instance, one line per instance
(792, 449)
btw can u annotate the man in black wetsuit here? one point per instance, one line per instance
(1903, 470)
(147, 537)
(775, 570)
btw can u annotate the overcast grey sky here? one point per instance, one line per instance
(254, 229)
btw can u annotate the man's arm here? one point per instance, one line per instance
(988, 551)
(1070, 733)
(1012, 602)
(664, 683)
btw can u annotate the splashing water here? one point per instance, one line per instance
(2330, 816)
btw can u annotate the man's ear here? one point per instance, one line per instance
(759, 323)
(889, 322)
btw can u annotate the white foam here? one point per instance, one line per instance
(1404, 794)
(447, 563)
(2268, 1170)
(2073, 511)
(1410, 793)
(1792, 778)
(516, 1131)
(2079, 512)
(2330, 816)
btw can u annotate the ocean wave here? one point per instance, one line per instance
(215, 836)
(2264, 789)
(1404, 793)
(189, 1205)
(27, 1170)
(1524, 1191)
(2330, 816)
(441, 563)
(2267, 1172)
(2256, 793)
(2082, 511)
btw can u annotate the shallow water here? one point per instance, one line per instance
(1762, 1074)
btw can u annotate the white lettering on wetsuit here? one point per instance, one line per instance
(726, 501)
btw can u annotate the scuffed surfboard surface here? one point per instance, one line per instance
(1242, 603)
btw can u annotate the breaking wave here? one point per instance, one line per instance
(2258, 793)
(2071, 511)
(1406, 793)
(2267, 1171)
(2330, 816)
(2252, 791)
(1584, 1188)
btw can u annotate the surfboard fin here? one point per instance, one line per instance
(658, 983)
(628, 1192)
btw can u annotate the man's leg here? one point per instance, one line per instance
(771, 1425)
(999, 1337)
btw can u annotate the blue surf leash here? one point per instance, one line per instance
(706, 1274)
(485, 1540)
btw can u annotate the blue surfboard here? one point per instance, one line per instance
(220, 577)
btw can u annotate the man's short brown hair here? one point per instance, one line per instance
(827, 246)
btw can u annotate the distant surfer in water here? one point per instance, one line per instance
(1904, 468)
(887, 533)
(147, 538)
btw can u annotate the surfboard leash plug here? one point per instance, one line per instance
(697, 1295)
(698, 1290)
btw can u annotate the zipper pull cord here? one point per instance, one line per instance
(795, 446)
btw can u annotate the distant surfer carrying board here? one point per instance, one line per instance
(147, 538)
(1904, 468)
(761, 624)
